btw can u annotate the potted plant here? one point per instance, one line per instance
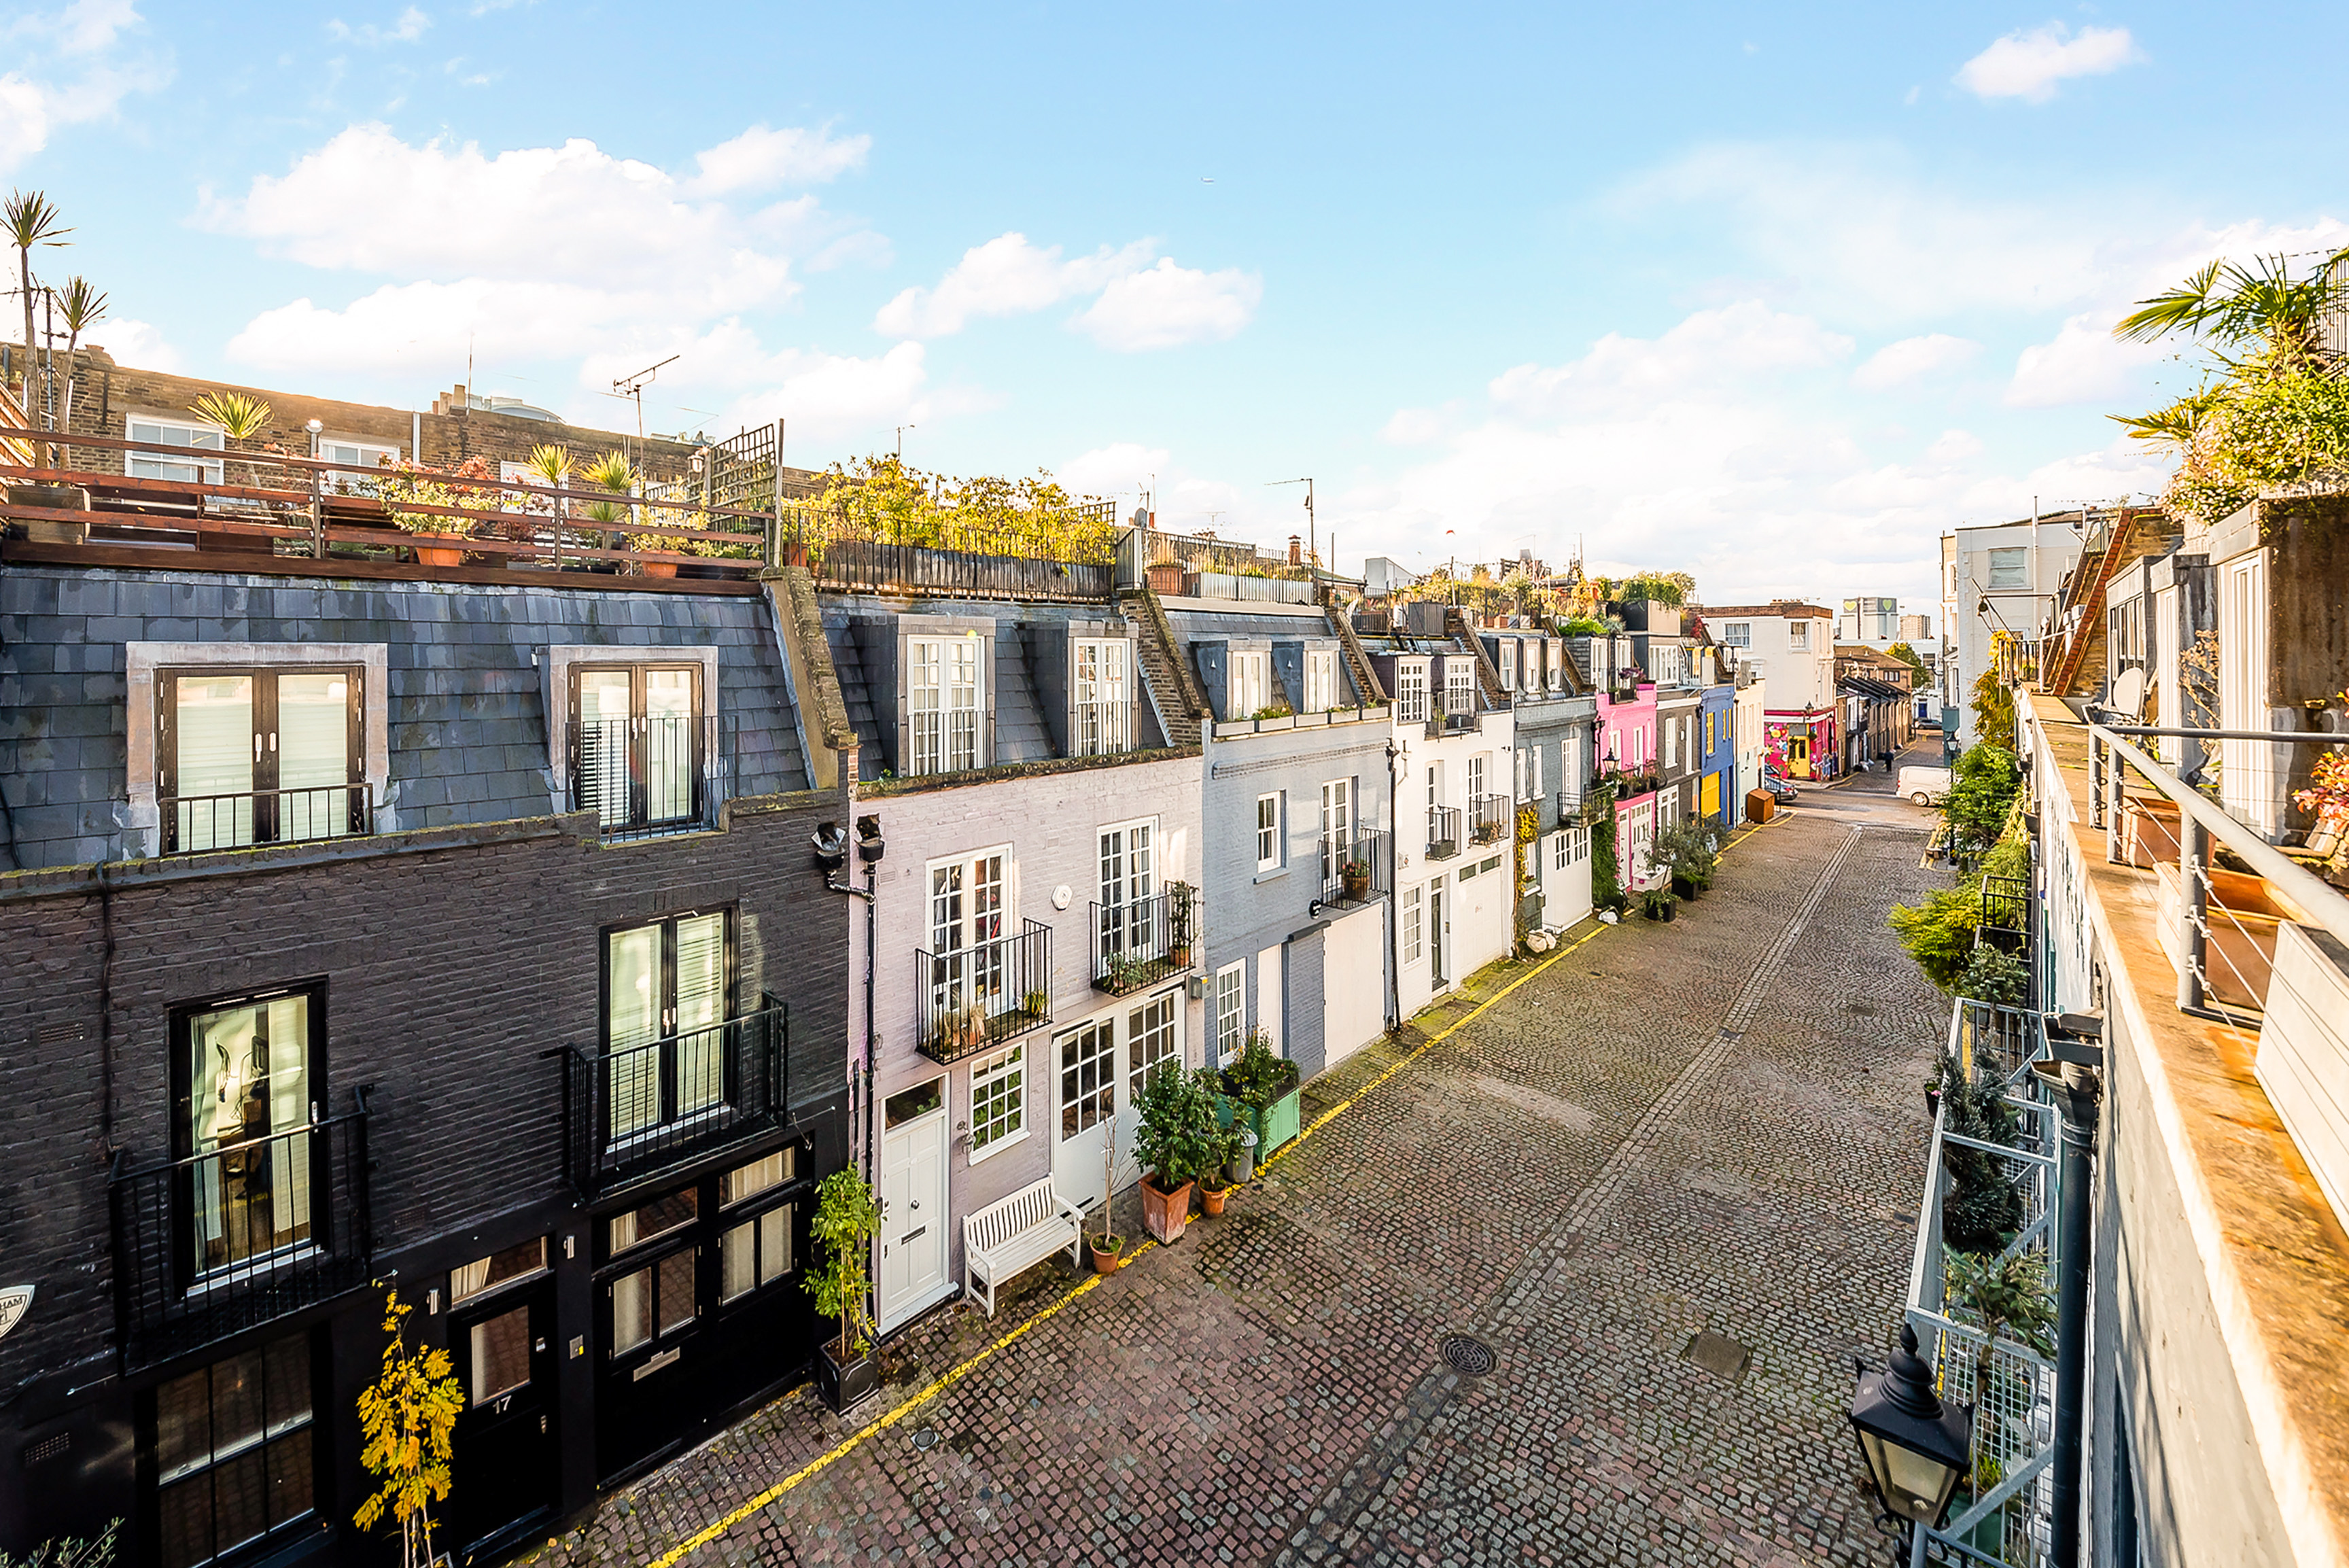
(1108, 1249)
(1658, 903)
(846, 1221)
(1175, 1140)
(1355, 874)
(1214, 1177)
(1262, 1090)
(417, 485)
(1179, 916)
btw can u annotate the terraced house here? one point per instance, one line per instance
(383, 922)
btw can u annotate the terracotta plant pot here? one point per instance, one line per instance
(1212, 1199)
(426, 556)
(1106, 1260)
(1165, 577)
(1166, 1213)
(658, 568)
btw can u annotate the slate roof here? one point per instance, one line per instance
(467, 719)
(1192, 628)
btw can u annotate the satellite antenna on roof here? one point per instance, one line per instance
(634, 387)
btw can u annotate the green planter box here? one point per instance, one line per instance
(1274, 1126)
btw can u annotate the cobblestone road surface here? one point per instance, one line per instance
(1670, 1183)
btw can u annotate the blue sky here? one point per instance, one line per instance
(1772, 300)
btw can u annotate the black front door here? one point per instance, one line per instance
(505, 1475)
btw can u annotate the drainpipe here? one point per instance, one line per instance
(2077, 1088)
(1394, 898)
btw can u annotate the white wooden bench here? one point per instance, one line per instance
(1015, 1232)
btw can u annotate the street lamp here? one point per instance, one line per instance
(1916, 1448)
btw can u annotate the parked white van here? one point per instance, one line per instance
(1925, 786)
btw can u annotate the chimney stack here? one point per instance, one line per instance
(1296, 550)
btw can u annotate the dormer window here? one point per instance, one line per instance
(259, 755)
(1250, 691)
(1103, 719)
(1508, 662)
(942, 699)
(1321, 681)
(1411, 690)
(639, 746)
(1459, 687)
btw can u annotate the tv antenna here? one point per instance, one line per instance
(634, 387)
(1312, 544)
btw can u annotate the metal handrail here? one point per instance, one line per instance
(181, 817)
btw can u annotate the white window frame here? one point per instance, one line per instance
(1413, 936)
(950, 746)
(1271, 839)
(174, 438)
(1459, 685)
(1231, 1011)
(975, 964)
(1411, 691)
(1337, 824)
(368, 454)
(1011, 1064)
(1508, 664)
(1137, 1072)
(1798, 636)
(1248, 682)
(1320, 679)
(1101, 679)
(2007, 569)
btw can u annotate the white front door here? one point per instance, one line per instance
(1638, 839)
(1085, 1068)
(911, 1271)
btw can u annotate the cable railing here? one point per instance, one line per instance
(193, 824)
(209, 1245)
(1994, 1202)
(632, 1112)
(968, 999)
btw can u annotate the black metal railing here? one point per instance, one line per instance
(645, 776)
(632, 1113)
(877, 566)
(969, 998)
(211, 1244)
(194, 823)
(2005, 902)
(1143, 941)
(1354, 871)
(1443, 832)
(1489, 817)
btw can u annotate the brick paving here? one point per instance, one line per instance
(1710, 1127)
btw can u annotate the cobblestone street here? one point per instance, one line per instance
(1669, 1180)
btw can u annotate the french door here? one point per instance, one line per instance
(637, 744)
(1085, 1060)
(966, 913)
(259, 757)
(665, 986)
(1129, 879)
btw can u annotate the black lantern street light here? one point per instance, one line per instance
(1916, 1448)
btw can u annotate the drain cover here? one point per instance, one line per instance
(1719, 1354)
(925, 1439)
(1470, 1357)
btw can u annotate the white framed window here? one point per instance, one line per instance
(1103, 722)
(181, 447)
(942, 699)
(1231, 1020)
(999, 1102)
(1337, 825)
(1557, 663)
(1459, 685)
(1476, 779)
(1534, 752)
(1154, 1038)
(1250, 685)
(1411, 691)
(967, 963)
(2010, 567)
(1509, 662)
(1412, 925)
(1798, 635)
(1737, 633)
(1130, 922)
(1672, 743)
(1267, 831)
(1320, 680)
(364, 454)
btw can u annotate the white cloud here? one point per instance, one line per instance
(1913, 359)
(411, 26)
(762, 158)
(67, 70)
(137, 344)
(1141, 306)
(1736, 344)
(2029, 64)
(827, 397)
(1005, 276)
(1953, 447)
(1166, 307)
(2082, 364)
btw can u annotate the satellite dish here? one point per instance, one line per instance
(2129, 690)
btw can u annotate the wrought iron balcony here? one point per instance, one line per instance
(210, 1245)
(1444, 722)
(1367, 856)
(1489, 818)
(1143, 942)
(640, 1110)
(642, 777)
(971, 998)
(1443, 832)
(2006, 911)
(193, 824)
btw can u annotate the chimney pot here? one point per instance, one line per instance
(1296, 550)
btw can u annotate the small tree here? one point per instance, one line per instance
(82, 307)
(1178, 1136)
(1991, 975)
(70, 1552)
(1993, 708)
(1939, 931)
(2010, 1296)
(241, 418)
(846, 1221)
(406, 1418)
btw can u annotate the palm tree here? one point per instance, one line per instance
(240, 416)
(2257, 311)
(83, 308)
(31, 219)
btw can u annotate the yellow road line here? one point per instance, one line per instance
(954, 1374)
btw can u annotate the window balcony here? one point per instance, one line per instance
(193, 825)
(1368, 856)
(211, 1244)
(642, 1110)
(1140, 943)
(646, 777)
(1100, 728)
(973, 998)
(1443, 832)
(1444, 722)
(1489, 819)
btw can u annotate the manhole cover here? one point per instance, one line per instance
(1719, 1354)
(925, 1439)
(1470, 1357)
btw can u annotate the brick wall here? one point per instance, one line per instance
(448, 970)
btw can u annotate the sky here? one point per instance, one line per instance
(1773, 299)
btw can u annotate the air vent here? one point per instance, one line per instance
(57, 1034)
(55, 1446)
